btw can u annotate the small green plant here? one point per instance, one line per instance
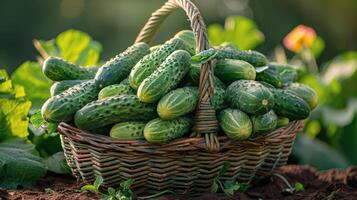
(227, 187)
(298, 187)
(123, 193)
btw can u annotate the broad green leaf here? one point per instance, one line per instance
(78, 47)
(37, 86)
(238, 30)
(57, 163)
(19, 164)
(98, 181)
(13, 118)
(317, 154)
(46, 48)
(216, 34)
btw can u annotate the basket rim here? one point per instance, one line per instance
(185, 144)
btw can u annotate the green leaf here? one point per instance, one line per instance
(214, 187)
(78, 47)
(57, 163)
(318, 46)
(90, 188)
(19, 164)
(238, 30)
(223, 170)
(46, 48)
(348, 141)
(204, 56)
(37, 86)
(317, 154)
(111, 191)
(13, 118)
(298, 187)
(230, 187)
(98, 181)
(126, 184)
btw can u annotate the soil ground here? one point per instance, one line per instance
(331, 184)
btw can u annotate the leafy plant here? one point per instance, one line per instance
(123, 193)
(19, 164)
(239, 30)
(298, 187)
(227, 187)
(14, 108)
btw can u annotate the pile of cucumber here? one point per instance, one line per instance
(151, 93)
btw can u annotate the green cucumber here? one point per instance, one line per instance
(265, 122)
(112, 110)
(306, 93)
(188, 37)
(178, 102)
(235, 124)
(160, 131)
(218, 100)
(278, 75)
(255, 58)
(165, 78)
(132, 130)
(282, 121)
(289, 105)
(58, 69)
(118, 68)
(249, 96)
(229, 70)
(154, 48)
(149, 63)
(116, 89)
(62, 107)
(59, 87)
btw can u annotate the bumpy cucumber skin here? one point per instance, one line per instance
(264, 123)
(178, 102)
(149, 63)
(62, 107)
(118, 68)
(188, 37)
(290, 105)
(235, 124)
(165, 78)
(131, 130)
(160, 131)
(58, 69)
(282, 121)
(249, 96)
(218, 100)
(116, 89)
(306, 93)
(229, 70)
(278, 75)
(112, 110)
(255, 58)
(59, 87)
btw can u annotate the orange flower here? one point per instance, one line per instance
(300, 37)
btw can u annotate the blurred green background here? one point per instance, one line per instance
(115, 23)
(330, 135)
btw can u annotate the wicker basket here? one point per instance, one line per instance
(187, 164)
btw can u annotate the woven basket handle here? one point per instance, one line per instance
(205, 119)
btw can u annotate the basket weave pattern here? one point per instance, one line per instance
(187, 164)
